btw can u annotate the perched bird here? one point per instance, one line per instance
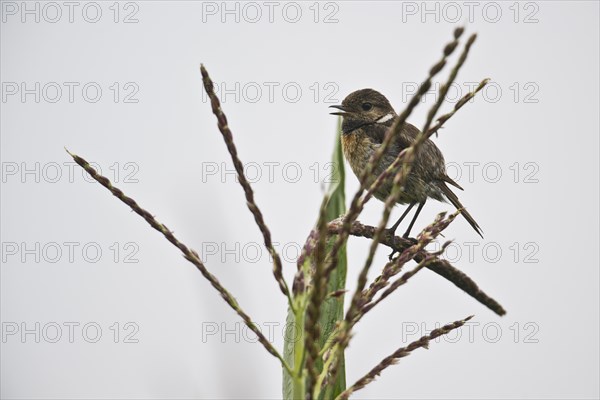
(367, 115)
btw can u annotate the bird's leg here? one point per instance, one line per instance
(413, 220)
(405, 236)
(392, 230)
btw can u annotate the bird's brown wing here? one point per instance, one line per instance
(429, 165)
(402, 140)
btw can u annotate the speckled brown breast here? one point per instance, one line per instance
(358, 148)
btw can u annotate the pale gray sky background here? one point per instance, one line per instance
(119, 84)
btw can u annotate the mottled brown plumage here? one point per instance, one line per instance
(367, 115)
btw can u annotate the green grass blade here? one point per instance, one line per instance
(332, 309)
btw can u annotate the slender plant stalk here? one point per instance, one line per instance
(464, 100)
(239, 167)
(444, 88)
(398, 282)
(439, 266)
(394, 266)
(316, 297)
(188, 253)
(428, 234)
(423, 342)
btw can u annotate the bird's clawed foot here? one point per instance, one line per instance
(405, 236)
(392, 233)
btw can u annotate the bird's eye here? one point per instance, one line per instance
(367, 106)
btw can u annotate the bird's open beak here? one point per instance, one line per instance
(341, 108)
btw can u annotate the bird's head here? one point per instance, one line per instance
(364, 107)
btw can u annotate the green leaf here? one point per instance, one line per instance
(332, 309)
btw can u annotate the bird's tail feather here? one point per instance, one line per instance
(451, 181)
(456, 203)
